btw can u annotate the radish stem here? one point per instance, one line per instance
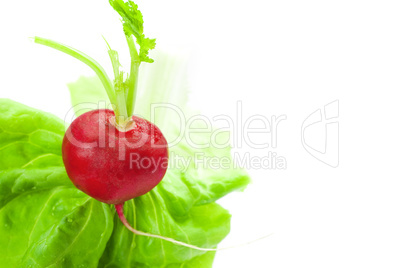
(101, 73)
(133, 78)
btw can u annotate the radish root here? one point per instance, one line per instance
(120, 212)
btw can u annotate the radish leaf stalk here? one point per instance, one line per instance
(133, 78)
(133, 26)
(100, 72)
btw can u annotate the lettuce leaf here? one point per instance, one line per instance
(44, 220)
(28, 137)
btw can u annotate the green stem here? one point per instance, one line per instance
(100, 72)
(120, 110)
(131, 93)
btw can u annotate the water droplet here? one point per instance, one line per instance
(69, 220)
(54, 207)
(52, 213)
(33, 188)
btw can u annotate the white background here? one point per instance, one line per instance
(277, 57)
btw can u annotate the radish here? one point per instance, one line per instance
(99, 157)
(99, 145)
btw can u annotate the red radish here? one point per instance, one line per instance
(114, 156)
(112, 164)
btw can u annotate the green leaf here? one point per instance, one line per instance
(204, 226)
(133, 24)
(182, 205)
(20, 181)
(202, 261)
(44, 220)
(28, 138)
(61, 227)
